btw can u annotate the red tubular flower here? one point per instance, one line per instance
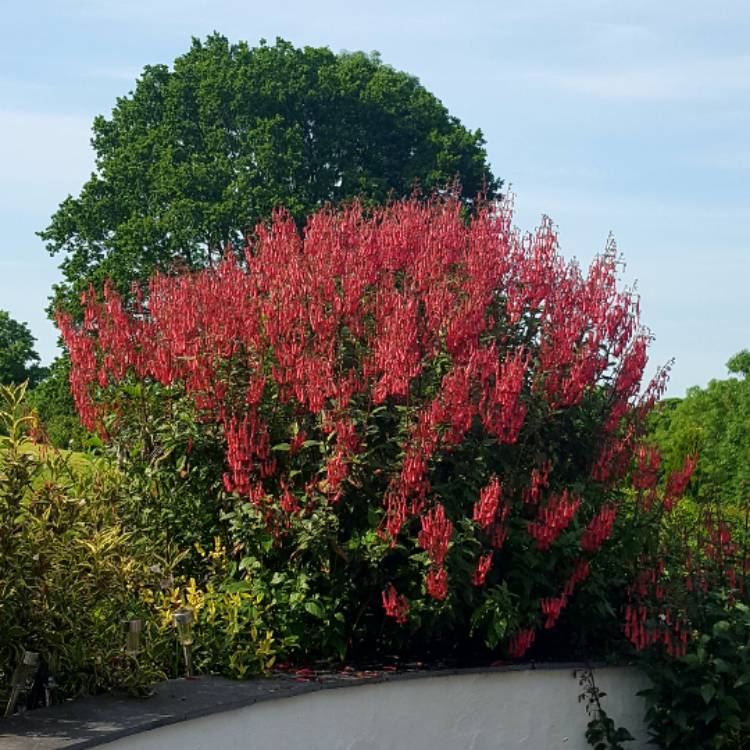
(436, 582)
(502, 411)
(296, 443)
(520, 643)
(336, 471)
(248, 446)
(485, 509)
(436, 533)
(678, 481)
(580, 573)
(599, 529)
(395, 515)
(480, 572)
(631, 369)
(395, 604)
(614, 457)
(539, 481)
(288, 502)
(552, 607)
(647, 468)
(413, 481)
(553, 519)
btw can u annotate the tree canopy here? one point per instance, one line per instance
(197, 154)
(18, 360)
(713, 422)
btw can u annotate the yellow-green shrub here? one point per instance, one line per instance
(69, 571)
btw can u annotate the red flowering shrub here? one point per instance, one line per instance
(683, 558)
(687, 613)
(423, 418)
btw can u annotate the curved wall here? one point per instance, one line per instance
(523, 710)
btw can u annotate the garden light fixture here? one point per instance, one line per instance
(183, 622)
(132, 630)
(24, 672)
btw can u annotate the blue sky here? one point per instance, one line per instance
(631, 117)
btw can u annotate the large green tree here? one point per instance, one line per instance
(713, 422)
(196, 155)
(18, 360)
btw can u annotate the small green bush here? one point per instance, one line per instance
(69, 571)
(700, 701)
(235, 619)
(79, 553)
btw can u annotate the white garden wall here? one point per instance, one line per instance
(522, 710)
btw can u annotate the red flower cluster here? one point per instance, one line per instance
(579, 575)
(717, 544)
(436, 533)
(395, 604)
(248, 448)
(520, 643)
(436, 582)
(539, 481)
(553, 519)
(552, 607)
(483, 567)
(614, 458)
(395, 515)
(486, 508)
(669, 631)
(599, 529)
(648, 461)
(677, 482)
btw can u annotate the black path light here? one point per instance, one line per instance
(23, 673)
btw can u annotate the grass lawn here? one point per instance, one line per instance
(76, 461)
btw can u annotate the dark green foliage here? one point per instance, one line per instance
(175, 494)
(701, 700)
(198, 154)
(601, 732)
(323, 579)
(740, 363)
(18, 360)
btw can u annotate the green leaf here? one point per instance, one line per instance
(721, 666)
(708, 692)
(721, 628)
(623, 735)
(314, 608)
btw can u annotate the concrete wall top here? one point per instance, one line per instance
(498, 709)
